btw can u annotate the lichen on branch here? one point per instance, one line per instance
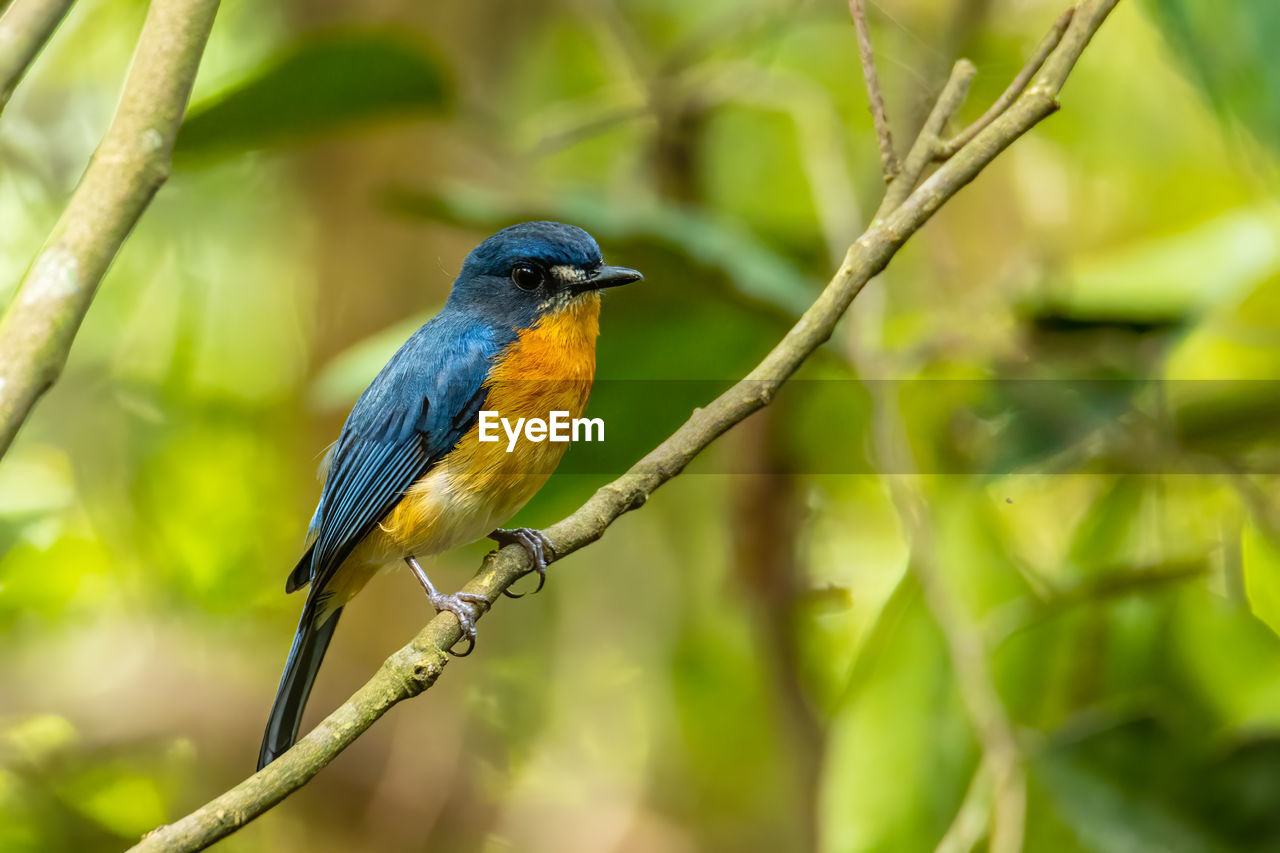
(129, 166)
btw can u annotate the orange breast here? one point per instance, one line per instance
(479, 486)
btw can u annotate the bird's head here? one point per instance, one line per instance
(529, 271)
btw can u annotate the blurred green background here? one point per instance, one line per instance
(747, 664)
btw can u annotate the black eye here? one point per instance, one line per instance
(526, 276)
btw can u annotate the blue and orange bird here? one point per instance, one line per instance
(409, 476)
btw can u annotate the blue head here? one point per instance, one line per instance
(530, 270)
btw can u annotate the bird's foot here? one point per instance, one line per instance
(535, 543)
(465, 606)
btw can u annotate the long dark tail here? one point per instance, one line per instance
(300, 669)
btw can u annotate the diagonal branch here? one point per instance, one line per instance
(415, 668)
(24, 28)
(875, 99)
(126, 171)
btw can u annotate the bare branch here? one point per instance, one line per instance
(927, 141)
(24, 28)
(129, 166)
(1019, 84)
(999, 787)
(972, 818)
(1023, 613)
(875, 99)
(1001, 753)
(416, 667)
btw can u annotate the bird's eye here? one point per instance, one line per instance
(526, 276)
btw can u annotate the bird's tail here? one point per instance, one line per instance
(300, 669)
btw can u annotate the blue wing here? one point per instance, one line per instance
(412, 414)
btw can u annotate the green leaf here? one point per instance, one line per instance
(1261, 564)
(1229, 50)
(1112, 818)
(342, 379)
(338, 80)
(1172, 277)
(123, 801)
(1143, 785)
(38, 739)
(1230, 658)
(899, 753)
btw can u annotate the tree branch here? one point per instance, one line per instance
(922, 150)
(875, 99)
(997, 794)
(126, 171)
(1001, 752)
(24, 28)
(1046, 46)
(972, 818)
(415, 668)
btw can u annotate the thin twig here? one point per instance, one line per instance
(966, 647)
(24, 28)
(1001, 753)
(415, 668)
(875, 98)
(126, 171)
(927, 141)
(1023, 613)
(557, 140)
(1046, 47)
(972, 818)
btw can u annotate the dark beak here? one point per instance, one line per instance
(609, 277)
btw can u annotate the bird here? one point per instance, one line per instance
(409, 475)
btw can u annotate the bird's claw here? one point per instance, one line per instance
(536, 545)
(466, 607)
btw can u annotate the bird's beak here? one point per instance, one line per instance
(609, 277)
